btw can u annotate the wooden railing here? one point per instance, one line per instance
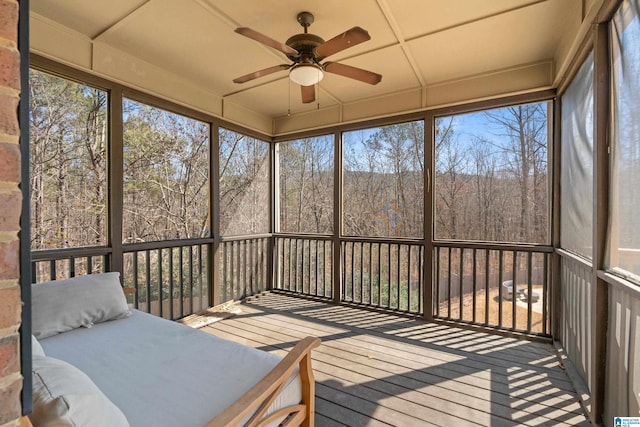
(576, 319)
(499, 286)
(304, 265)
(244, 267)
(472, 282)
(170, 279)
(56, 264)
(385, 275)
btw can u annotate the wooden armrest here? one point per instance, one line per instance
(129, 291)
(25, 421)
(261, 395)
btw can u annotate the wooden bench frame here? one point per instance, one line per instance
(261, 396)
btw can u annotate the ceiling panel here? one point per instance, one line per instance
(87, 17)
(198, 46)
(523, 36)
(419, 17)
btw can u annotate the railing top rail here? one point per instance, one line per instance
(65, 253)
(383, 240)
(573, 257)
(164, 244)
(495, 246)
(245, 237)
(308, 236)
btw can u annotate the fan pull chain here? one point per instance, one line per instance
(289, 109)
(318, 91)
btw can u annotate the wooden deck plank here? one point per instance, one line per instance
(381, 369)
(354, 317)
(425, 355)
(444, 397)
(454, 339)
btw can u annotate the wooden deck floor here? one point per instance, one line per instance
(376, 369)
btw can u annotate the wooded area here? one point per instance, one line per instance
(490, 184)
(68, 150)
(491, 180)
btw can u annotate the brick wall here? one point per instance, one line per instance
(10, 205)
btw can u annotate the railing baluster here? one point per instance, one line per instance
(449, 285)
(461, 284)
(361, 246)
(378, 274)
(545, 292)
(315, 292)
(225, 267)
(397, 251)
(328, 255)
(171, 300)
(474, 272)
(302, 257)
(409, 278)
(291, 259)
(160, 282)
(191, 279)
(295, 265)
(200, 281)
(529, 291)
(437, 284)
(389, 275)
(34, 269)
(181, 271)
(242, 266)
(500, 280)
(148, 280)
(234, 271)
(487, 309)
(52, 270)
(514, 291)
(421, 260)
(135, 280)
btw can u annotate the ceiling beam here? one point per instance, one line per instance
(395, 27)
(119, 21)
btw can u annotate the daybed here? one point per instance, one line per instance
(97, 362)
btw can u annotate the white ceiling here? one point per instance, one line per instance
(415, 44)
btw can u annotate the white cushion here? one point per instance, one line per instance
(63, 395)
(63, 305)
(36, 348)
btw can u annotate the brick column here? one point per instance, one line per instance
(10, 207)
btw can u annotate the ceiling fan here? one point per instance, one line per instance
(307, 52)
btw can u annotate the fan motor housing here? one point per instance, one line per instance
(305, 44)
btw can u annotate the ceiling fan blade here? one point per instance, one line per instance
(266, 40)
(261, 73)
(352, 72)
(352, 37)
(308, 94)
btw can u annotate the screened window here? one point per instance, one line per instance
(491, 181)
(306, 185)
(68, 161)
(624, 243)
(166, 175)
(244, 184)
(384, 181)
(576, 195)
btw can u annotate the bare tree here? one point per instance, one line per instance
(306, 185)
(523, 140)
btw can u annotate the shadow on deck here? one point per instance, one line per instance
(380, 369)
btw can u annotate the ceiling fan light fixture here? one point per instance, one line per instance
(306, 74)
